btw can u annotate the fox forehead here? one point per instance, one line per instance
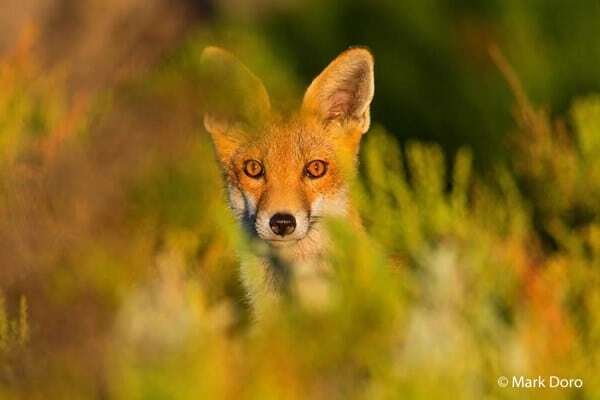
(287, 142)
(284, 147)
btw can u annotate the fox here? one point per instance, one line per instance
(285, 173)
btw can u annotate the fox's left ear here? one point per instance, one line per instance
(344, 90)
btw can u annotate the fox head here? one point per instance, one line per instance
(284, 173)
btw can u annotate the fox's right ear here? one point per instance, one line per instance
(235, 99)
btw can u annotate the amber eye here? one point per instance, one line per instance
(253, 169)
(315, 169)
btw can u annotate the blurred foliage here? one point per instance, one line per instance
(435, 79)
(117, 253)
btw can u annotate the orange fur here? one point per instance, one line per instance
(327, 127)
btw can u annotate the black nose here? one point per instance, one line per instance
(282, 224)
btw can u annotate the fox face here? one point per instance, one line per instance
(285, 173)
(285, 180)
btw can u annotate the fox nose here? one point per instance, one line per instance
(282, 224)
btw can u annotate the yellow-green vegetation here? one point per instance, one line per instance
(118, 268)
(13, 331)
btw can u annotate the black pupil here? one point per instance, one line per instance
(315, 168)
(253, 168)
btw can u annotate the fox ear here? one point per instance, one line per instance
(344, 90)
(235, 98)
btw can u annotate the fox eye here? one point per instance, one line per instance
(253, 169)
(315, 169)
